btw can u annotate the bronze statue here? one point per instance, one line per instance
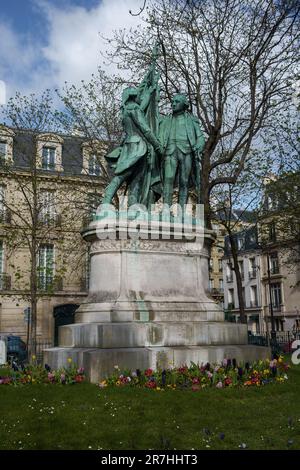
(182, 143)
(134, 155)
(158, 153)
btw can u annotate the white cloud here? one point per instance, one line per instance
(73, 44)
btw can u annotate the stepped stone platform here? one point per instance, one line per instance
(148, 305)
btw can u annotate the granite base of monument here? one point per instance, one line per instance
(148, 307)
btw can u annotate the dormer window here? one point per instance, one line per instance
(49, 152)
(6, 145)
(93, 152)
(48, 158)
(94, 166)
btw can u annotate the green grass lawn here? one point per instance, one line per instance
(85, 417)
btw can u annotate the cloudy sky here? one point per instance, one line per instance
(44, 43)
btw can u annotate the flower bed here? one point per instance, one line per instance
(36, 374)
(197, 377)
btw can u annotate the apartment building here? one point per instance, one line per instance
(270, 285)
(50, 186)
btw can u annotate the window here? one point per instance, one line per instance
(5, 215)
(2, 150)
(252, 263)
(240, 243)
(94, 167)
(272, 232)
(211, 264)
(48, 158)
(230, 298)
(221, 284)
(47, 208)
(46, 266)
(1, 266)
(1, 257)
(1, 200)
(253, 296)
(211, 284)
(274, 263)
(241, 268)
(252, 268)
(94, 200)
(229, 273)
(276, 295)
(220, 265)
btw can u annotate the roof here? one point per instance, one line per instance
(245, 240)
(25, 146)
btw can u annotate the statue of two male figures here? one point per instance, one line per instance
(159, 153)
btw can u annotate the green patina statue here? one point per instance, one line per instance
(158, 153)
(182, 143)
(134, 158)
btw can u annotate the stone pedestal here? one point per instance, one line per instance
(147, 306)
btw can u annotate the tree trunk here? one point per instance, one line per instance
(33, 317)
(205, 193)
(238, 276)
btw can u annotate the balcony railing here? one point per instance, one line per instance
(215, 291)
(5, 216)
(252, 274)
(50, 219)
(49, 283)
(5, 282)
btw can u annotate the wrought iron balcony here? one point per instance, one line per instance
(5, 282)
(215, 291)
(50, 219)
(50, 283)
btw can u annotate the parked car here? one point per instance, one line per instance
(16, 348)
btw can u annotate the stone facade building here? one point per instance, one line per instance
(49, 188)
(270, 282)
